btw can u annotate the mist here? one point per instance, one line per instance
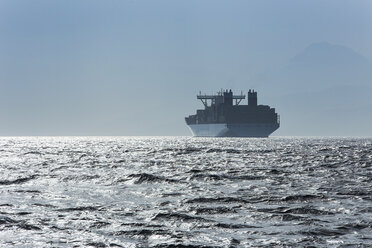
(135, 67)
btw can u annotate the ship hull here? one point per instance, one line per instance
(233, 130)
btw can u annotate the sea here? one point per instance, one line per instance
(185, 192)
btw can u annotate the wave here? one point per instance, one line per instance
(323, 232)
(179, 216)
(18, 181)
(180, 245)
(234, 226)
(142, 232)
(149, 178)
(299, 210)
(8, 222)
(302, 197)
(215, 210)
(218, 200)
(85, 208)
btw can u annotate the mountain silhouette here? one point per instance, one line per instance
(326, 55)
(323, 65)
(323, 90)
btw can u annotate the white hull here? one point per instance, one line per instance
(233, 130)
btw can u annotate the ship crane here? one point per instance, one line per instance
(218, 98)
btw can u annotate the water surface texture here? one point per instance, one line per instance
(185, 192)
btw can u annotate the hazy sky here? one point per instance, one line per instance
(134, 67)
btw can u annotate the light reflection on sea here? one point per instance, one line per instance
(185, 192)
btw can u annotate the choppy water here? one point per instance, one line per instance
(185, 192)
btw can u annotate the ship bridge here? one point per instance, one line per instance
(220, 97)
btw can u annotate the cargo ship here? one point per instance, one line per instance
(224, 116)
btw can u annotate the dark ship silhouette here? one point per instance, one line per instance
(223, 118)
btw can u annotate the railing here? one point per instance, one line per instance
(209, 97)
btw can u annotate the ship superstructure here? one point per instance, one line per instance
(224, 116)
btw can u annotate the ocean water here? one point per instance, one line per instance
(185, 192)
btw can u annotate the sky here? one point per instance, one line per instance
(117, 67)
